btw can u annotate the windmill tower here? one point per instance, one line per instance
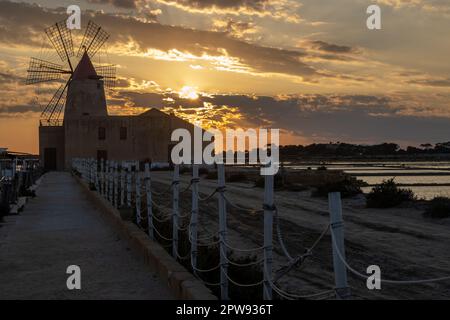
(81, 93)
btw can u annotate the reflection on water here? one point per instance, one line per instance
(434, 177)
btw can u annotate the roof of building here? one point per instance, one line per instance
(85, 69)
(153, 112)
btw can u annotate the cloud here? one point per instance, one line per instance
(308, 118)
(127, 4)
(148, 38)
(329, 47)
(278, 9)
(437, 6)
(432, 82)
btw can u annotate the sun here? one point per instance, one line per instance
(188, 92)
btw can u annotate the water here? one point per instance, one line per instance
(433, 177)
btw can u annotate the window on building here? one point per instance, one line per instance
(123, 133)
(101, 133)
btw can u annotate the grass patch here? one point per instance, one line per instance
(388, 195)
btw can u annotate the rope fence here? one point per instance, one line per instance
(126, 187)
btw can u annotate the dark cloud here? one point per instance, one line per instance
(329, 47)
(432, 82)
(350, 118)
(127, 4)
(20, 20)
(228, 4)
(14, 109)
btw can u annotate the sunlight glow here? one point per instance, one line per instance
(188, 92)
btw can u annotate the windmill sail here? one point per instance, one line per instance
(93, 40)
(52, 111)
(108, 74)
(44, 71)
(61, 38)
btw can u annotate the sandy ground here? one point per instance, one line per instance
(405, 245)
(58, 228)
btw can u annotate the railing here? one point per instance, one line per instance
(125, 186)
(51, 123)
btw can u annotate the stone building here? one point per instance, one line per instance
(87, 130)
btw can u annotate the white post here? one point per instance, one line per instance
(193, 234)
(96, 175)
(175, 210)
(122, 184)
(337, 236)
(138, 196)
(148, 189)
(129, 186)
(268, 235)
(115, 170)
(110, 182)
(106, 179)
(222, 232)
(102, 176)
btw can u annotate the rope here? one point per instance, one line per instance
(243, 284)
(242, 250)
(186, 257)
(291, 296)
(248, 264)
(399, 282)
(298, 261)
(249, 210)
(161, 220)
(165, 191)
(209, 196)
(159, 234)
(204, 270)
(279, 234)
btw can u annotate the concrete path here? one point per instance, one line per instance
(58, 228)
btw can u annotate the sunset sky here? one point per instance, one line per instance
(308, 67)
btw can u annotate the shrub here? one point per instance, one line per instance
(322, 168)
(438, 208)
(348, 187)
(388, 194)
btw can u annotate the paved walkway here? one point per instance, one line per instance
(58, 228)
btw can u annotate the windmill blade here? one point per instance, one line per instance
(93, 40)
(43, 71)
(61, 38)
(108, 74)
(52, 112)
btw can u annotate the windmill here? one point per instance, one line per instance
(41, 70)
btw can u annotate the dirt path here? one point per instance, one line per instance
(58, 228)
(404, 244)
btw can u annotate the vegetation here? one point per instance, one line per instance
(353, 150)
(438, 208)
(388, 195)
(348, 187)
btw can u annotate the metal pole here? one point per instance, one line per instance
(222, 232)
(129, 186)
(337, 235)
(148, 189)
(268, 235)
(109, 175)
(193, 234)
(175, 210)
(115, 170)
(96, 175)
(122, 184)
(138, 196)
(102, 176)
